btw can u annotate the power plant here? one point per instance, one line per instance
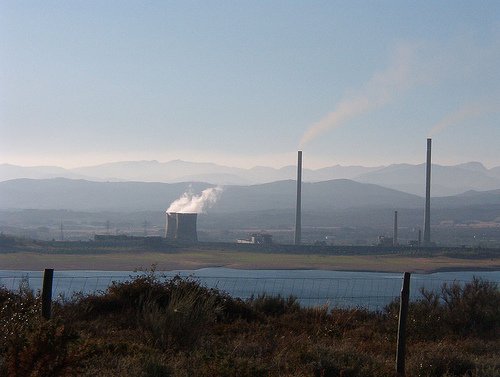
(181, 226)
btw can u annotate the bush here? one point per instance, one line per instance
(152, 326)
(440, 360)
(473, 309)
(166, 312)
(190, 311)
(273, 305)
(31, 345)
(466, 310)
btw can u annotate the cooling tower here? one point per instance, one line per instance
(427, 212)
(186, 226)
(171, 228)
(298, 226)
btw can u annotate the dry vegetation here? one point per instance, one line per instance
(151, 326)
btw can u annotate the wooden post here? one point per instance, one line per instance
(48, 275)
(403, 313)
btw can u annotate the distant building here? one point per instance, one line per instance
(385, 241)
(413, 243)
(109, 237)
(124, 239)
(258, 239)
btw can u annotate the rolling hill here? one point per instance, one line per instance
(82, 195)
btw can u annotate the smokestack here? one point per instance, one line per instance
(298, 226)
(186, 226)
(427, 212)
(171, 228)
(395, 234)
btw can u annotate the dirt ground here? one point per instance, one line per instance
(191, 260)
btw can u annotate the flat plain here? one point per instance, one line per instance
(191, 259)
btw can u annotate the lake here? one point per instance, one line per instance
(371, 290)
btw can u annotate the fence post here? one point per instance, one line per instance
(403, 313)
(48, 275)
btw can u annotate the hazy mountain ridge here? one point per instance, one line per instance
(62, 193)
(446, 180)
(470, 198)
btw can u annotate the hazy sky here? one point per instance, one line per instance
(245, 83)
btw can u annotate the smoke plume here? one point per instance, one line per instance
(381, 89)
(190, 203)
(467, 111)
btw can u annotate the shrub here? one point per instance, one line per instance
(190, 311)
(466, 310)
(31, 345)
(166, 312)
(349, 362)
(273, 305)
(440, 360)
(153, 326)
(473, 308)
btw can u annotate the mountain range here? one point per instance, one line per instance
(446, 180)
(82, 195)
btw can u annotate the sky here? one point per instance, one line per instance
(248, 83)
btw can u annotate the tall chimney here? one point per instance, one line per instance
(427, 212)
(298, 226)
(395, 234)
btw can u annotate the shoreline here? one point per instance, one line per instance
(32, 261)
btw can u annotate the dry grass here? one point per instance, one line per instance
(156, 327)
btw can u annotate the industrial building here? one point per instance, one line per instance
(181, 226)
(258, 239)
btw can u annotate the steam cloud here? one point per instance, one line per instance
(468, 111)
(380, 90)
(190, 203)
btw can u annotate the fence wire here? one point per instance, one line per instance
(347, 291)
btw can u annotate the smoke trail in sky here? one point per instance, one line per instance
(467, 111)
(190, 203)
(380, 90)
